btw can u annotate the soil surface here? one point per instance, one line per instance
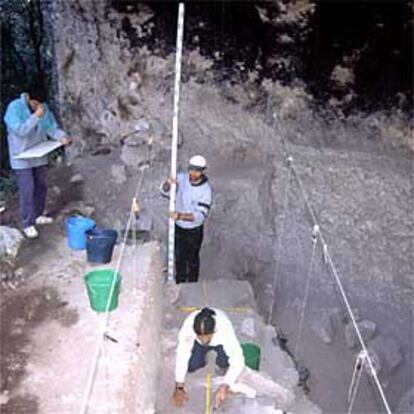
(49, 332)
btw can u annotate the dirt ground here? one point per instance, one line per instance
(360, 197)
(35, 301)
(49, 333)
(22, 313)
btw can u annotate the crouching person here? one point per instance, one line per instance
(204, 331)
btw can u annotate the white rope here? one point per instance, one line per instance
(358, 332)
(330, 262)
(134, 240)
(174, 143)
(315, 232)
(279, 244)
(106, 365)
(304, 195)
(105, 319)
(356, 377)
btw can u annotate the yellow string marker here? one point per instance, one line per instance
(190, 309)
(205, 298)
(238, 310)
(208, 375)
(208, 393)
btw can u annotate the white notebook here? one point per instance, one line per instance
(39, 150)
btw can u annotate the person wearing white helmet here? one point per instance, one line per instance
(193, 204)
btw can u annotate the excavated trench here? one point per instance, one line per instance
(254, 235)
(357, 181)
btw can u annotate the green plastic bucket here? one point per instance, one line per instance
(98, 284)
(251, 354)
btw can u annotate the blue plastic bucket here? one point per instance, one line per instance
(76, 227)
(100, 244)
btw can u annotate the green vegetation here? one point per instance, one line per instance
(25, 57)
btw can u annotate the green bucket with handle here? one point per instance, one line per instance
(251, 353)
(98, 285)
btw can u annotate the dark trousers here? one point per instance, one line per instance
(187, 254)
(198, 356)
(32, 185)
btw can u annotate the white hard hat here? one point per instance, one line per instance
(198, 162)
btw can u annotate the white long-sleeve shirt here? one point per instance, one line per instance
(191, 198)
(224, 335)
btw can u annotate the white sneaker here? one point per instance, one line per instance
(44, 220)
(31, 232)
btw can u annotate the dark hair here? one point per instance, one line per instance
(195, 168)
(37, 92)
(204, 322)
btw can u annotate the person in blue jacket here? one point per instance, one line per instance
(193, 204)
(29, 121)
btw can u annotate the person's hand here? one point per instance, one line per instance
(40, 110)
(171, 180)
(180, 397)
(175, 215)
(135, 206)
(221, 395)
(65, 141)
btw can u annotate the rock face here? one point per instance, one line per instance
(102, 82)
(99, 100)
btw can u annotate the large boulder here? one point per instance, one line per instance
(10, 242)
(248, 327)
(367, 329)
(134, 156)
(324, 328)
(118, 173)
(386, 354)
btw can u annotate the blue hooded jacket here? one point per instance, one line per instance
(25, 129)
